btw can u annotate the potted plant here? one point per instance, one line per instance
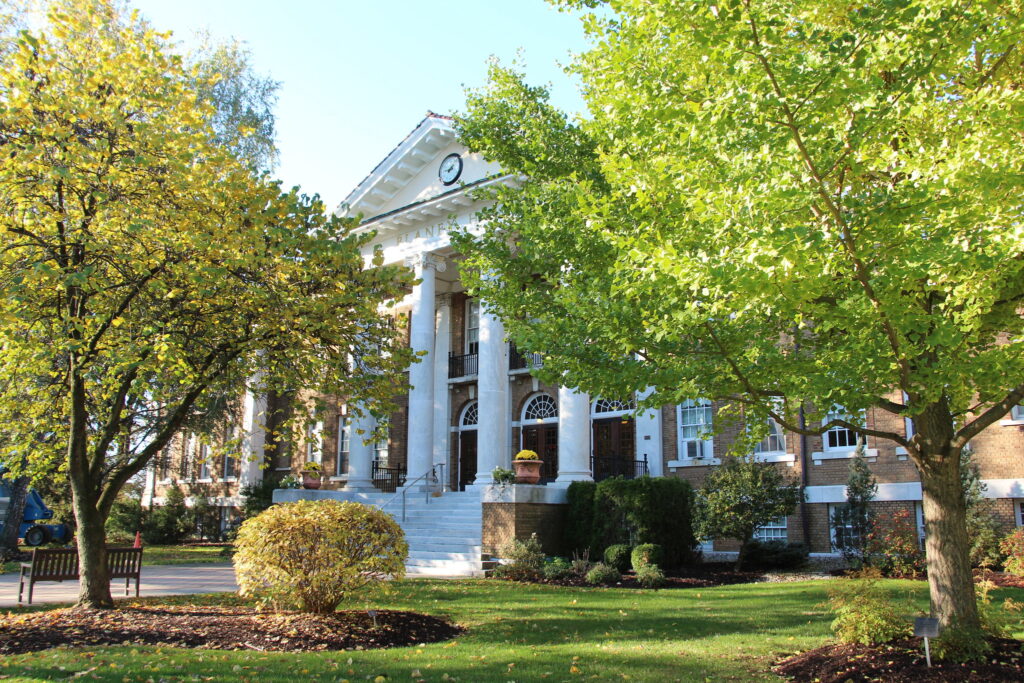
(312, 474)
(527, 466)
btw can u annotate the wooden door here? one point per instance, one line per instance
(614, 448)
(543, 440)
(467, 458)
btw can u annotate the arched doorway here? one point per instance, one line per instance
(540, 432)
(614, 441)
(467, 444)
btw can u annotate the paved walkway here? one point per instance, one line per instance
(166, 579)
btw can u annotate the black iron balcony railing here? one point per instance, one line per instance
(387, 478)
(518, 360)
(462, 366)
(608, 466)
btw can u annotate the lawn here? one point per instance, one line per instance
(167, 554)
(517, 632)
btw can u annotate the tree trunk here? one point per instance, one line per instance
(93, 572)
(742, 554)
(946, 543)
(13, 518)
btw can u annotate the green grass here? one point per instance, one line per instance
(517, 632)
(167, 554)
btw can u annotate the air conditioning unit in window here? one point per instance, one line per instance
(695, 450)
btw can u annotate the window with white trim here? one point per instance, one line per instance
(381, 452)
(919, 517)
(470, 416)
(775, 442)
(1019, 512)
(605, 405)
(344, 444)
(204, 461)
(695, 423)
(775, 530)
(540, 408)
(229, 463)
(839, 438)
(1017, 412)
(843, 534)
(472, 325)
(314, 442)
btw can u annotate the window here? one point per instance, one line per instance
(908, 424)
(314, 442)
(844, 533)
(204, 461)
(470, 415)
(472, 325)
(695, 423)
(230, 463)
(839, 438)
(344, 443)
(1017, 412)
(380, 449)
(604, 405)
(775, 530)
(775, 442)
(540, 408)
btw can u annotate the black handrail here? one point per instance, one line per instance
(609, 466)
(387, 478)
(463, 366)
(518, 360)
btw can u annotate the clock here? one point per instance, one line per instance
(450, 169)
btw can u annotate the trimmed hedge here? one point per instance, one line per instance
(632, 511)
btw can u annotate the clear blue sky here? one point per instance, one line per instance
(356, 77)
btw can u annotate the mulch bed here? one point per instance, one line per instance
(899, 662)
(220, 628)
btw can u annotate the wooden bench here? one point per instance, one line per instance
(61, 564)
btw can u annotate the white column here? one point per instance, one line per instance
(254, 422)
(648, 437)
(492, 446)
(150, 487)
(574, 434)
(420, 450)
(442, 397)
(360, 454)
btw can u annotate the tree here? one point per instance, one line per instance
(789, 199)
(852, 522)
(740, 497)
(148, 272)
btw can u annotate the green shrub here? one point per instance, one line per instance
(865, 612)
(650, 576)
(169, 523)
(984, 532)
(775, 555)
(630, 511)
(557, 568)
(525, 560)
(603, 575)
(312, 555)
(647, 554)
(956, 644)
(502, 476)
(581, 564)
(124, 520)
(257, 497)
(617, 556)
(1012, 546)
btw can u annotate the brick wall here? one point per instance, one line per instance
(504, 521)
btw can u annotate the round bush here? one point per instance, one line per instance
(650, 576)
(557, 568)
(617, 556)
(602, 574)
(312, 555)
(646, 553)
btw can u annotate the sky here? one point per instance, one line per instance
(356, 77)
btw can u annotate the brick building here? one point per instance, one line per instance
(473, 404)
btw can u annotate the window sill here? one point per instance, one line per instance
(693, 462)
(775, 457)
(282, 469)
(818, 456)
(207, 480)
(344, 478)
(227, 480)
(1011, 423)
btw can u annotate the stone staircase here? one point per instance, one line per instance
(444, 533)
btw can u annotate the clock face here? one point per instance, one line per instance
(451, 169)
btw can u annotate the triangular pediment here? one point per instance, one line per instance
(409, 175)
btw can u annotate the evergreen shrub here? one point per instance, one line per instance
(647, 555)
(617, 556)
(776, 555)
(312, 555)
(170, 523)
(632, 511)
(603, 575)
(650, 576)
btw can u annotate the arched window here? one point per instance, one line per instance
(470, 416)
(605, 405)
(540, 408)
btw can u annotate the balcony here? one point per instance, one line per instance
(465, 365)
(518, 360)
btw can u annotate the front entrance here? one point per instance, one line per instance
(543, 440)
(467, 458)
(614, 448)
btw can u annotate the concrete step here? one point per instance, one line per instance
(459, 548)
(418, 556)
(422, 542)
